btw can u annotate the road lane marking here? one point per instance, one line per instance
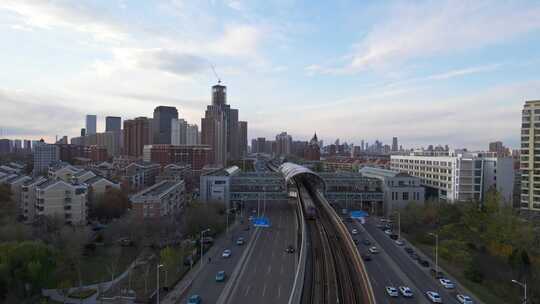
(279, 291)
(281, 271)
(247, 291)
(269, 269)
(264, 290)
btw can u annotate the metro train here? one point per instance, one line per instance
(310, 211)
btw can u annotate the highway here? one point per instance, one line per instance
(394, 266)
(205, 284)
(269, 272)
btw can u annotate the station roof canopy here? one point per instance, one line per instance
(292, 170)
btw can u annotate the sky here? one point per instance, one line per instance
(428, 72)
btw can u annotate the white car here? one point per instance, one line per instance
(405, 291)
(373, 250)
(388, 232)
(354, 231)
(447, 283)
(463, 299)
(433, 297)
(400, 243)
(391, 291)
(226, 253)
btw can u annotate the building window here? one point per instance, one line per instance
(405, 196)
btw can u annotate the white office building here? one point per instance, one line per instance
(458, 175)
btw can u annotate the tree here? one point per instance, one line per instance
(202, 216)
(112, 204)
(170, 258)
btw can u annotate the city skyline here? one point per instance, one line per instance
(366, 71)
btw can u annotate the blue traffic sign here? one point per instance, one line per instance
(359, 214)
(261, 222)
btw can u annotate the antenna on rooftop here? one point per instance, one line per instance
(215, 73)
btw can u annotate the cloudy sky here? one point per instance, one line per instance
(429, 72)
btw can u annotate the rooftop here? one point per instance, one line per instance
(157, 189)
(382, 172)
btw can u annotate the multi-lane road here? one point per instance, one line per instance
(269, 272)
(392, 266)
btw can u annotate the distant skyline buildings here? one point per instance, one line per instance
(163, 115)
(113, 123)
(91, 124)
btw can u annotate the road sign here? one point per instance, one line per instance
(261, 222)
(359, 215)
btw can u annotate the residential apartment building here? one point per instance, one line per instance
(57, 198)
(530, 156)
(163, 199)
(137, 133)
(197, 156)
(27, 199)
(138, 175)
(457, 175)
(44, 156)
(399, 188)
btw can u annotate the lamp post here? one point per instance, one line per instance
(524, 285)
(158, 267)
(202, 248)
(227, 211)
(436, 252)
(399, 224)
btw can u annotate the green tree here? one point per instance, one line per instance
(170, 258)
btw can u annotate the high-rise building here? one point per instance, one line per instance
(395, 144)
(223, 130)
(162, 124)
(27, 146)
(137, 134)
(530, 139)
(44, 156)
(178, 131)
(213, 134)
(113, 124)
(498, 148)
(283, 143)
(243, 138)
(261, 145)
(83, 132)
(193, 136)
(91, 122)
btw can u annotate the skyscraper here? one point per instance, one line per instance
(530, 186)
(193, 136)
(137, 134)
(162, 124)
(44, 156)
(395, 144)
(227, 120)
(242, 138)
(113, 123)
(91, 122)
(178, 131)
(283, 143)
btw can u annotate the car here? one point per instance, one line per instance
(409, 250)
(373, 250)
(433, 297)
(399, 243)
(388, 232)
(220, 276)
(354, 231)
(405, 291)
(366, 242)
(251, 217)
(463, 299)
(366, 257)
(447, 283)
(194, 299)
(240, 241)
(391, 291)
(394, 236)
(289, 249)
(424, 263)
(226, 253)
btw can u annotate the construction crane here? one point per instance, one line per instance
(214, 70)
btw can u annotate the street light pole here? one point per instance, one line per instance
(158, 267)
(524, 285)
(202, 248)
(399, 225)
(436, 252)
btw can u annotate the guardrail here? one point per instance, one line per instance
(351, 248)
(298, 285)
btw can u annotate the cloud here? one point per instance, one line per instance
(413, 30)
(71, 15)
(172, 61)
